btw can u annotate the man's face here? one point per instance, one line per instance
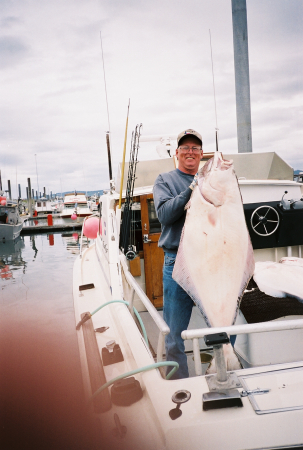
(188, 156)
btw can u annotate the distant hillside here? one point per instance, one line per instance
(88, 193)
(296, 172)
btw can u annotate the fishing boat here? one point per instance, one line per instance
(10, 221)
(75, 203)
(116, 291)
(118, 299)
(93, 203)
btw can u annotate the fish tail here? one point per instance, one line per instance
(231, 360)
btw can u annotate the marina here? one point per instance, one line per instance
(93, 347)
(40, 224)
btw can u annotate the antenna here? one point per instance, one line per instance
(104, 81)
(212, 66)
(108, 132)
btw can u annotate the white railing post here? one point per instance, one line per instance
(160, 348)
(196, 350)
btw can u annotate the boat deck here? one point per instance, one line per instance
(147, 421)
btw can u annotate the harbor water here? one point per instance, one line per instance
(42, 404)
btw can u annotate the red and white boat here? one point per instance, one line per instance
(75, 203)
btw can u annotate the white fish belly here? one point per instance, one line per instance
(215, 258)
(280, 280)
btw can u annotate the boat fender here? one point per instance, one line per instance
(111, 357)
(125, 392)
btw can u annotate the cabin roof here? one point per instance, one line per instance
(249, 166)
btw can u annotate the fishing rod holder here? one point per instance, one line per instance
(222, 379)
(223, 385)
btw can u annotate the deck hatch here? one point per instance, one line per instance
(285, 390)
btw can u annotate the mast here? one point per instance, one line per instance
(239, 15)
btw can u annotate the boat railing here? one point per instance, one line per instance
(262, 327)
(157, 318)
(81, 240)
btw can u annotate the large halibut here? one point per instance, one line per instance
(215, 257)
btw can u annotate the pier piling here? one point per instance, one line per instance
(30, 210)
(9, 189)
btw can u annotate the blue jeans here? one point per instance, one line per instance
(177, 308)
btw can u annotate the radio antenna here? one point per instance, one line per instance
(108, 136)
(212, 66)
(104, 81)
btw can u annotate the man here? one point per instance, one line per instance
(172, 191)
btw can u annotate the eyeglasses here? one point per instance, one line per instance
(193, 149)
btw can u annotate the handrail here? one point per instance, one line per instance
(159, 321)
(236, 329)
(245, 329)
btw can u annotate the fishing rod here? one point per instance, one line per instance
(212, 65)
(126, 237)
(111, 182)
(123, 159)
(109, 158)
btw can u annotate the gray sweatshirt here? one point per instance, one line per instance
(171, 193)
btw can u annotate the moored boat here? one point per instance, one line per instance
(123, 360)
(10, 221)
(75, 203)
(118, 298)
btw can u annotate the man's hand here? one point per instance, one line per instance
(194, 182)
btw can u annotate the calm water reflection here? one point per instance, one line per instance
(40, 386)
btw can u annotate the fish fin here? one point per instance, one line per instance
(231, 359)
(182, 276)
(247, 274)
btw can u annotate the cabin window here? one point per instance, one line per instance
(39, 204)
(154, 224)
(44, 203)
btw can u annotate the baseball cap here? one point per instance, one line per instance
(188, 133)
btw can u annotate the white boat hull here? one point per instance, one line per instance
(147, 421)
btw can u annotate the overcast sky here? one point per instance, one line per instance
(53, 102)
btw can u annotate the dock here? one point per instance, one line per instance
(63, 225)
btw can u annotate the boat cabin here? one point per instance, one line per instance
(9, 214)
(75, 202)
(43, 206)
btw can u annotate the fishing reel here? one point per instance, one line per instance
(131, 253)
